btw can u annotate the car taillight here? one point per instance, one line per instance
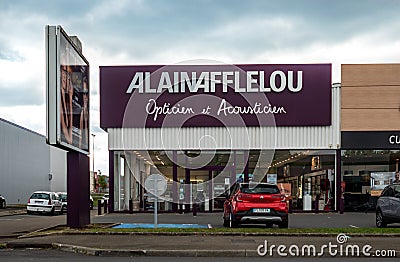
(240, 197)
(283, 198)
(280, 198)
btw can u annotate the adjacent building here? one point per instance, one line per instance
(28, 164)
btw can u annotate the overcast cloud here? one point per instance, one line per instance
(166, 32)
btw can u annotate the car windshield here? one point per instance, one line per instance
(260, 189)
(40, 196)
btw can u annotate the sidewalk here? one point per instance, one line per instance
(12, 211)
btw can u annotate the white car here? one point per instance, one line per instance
(2, 202)
(63, 198)
(44, 202)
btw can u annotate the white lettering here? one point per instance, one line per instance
(366, 249)
(226, 81)
(257, 108)
(393, 139)
(262, 249)
(137, 82)
(250, 81)
(214, 80)
(281, 251)
(272, 81)
(165, 82)
(202, 82)
(262, 83)
(299, 81)
(191, 82)
(153, 109)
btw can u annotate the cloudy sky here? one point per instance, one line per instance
(133, 32)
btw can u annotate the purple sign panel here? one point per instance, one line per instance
(215, 95)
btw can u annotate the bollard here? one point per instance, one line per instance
(130, 206)
(180, 209)
(105, 206)
(290, 206)
(194, 209)
(99, 207)
(341, 206)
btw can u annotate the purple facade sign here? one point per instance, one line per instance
(215, 95)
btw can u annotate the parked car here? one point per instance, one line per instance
(255, 203)
(388, 206)
(63, 198)
(44, 202)
(3, 202)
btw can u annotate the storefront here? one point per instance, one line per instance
(370, 131)
(204, 127)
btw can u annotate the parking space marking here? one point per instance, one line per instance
(353, 226)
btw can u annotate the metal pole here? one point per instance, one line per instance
(155, 211)
(155, 202)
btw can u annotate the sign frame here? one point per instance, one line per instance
(79, 96)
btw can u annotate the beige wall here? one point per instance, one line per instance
(370, 97)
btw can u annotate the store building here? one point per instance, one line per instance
(205, 127)
(370, 131)
(28, 164)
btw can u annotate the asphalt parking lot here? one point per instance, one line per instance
(296, 220)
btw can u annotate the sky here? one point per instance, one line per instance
(139, 32)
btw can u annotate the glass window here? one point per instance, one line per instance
(260, 189)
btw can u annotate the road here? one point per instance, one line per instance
(34, 255)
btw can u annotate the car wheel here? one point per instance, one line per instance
(29, 212)
(232, 222)
(380, 221)
(3, 205)
(226, 222)
(284, 224)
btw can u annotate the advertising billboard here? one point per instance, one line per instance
(215, 95)
(67, 92)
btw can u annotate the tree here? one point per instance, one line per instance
(102, 182)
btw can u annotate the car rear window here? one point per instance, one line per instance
(259, 189)
(40, 196)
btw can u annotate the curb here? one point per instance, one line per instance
(148, 253)
(153, 253)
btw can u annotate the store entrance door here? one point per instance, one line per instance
(208, 185)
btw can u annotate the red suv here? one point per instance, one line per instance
(255, 203)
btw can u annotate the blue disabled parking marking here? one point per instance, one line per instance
(139, 225)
